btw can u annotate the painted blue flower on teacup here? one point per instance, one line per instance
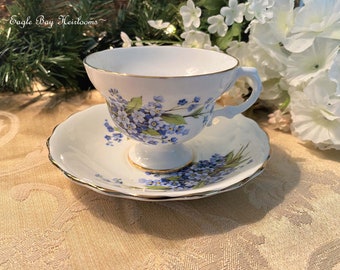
(197, 175)
(114, 181)
(151, 122)
(114, 136)
(200, 173)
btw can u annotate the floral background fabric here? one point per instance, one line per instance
(287, 218)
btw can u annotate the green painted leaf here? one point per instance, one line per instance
(197, 113)
(199, 185)
(158, 187)
(174, 119)
(229, 157)
(151, 132)
(173, 178)
(134, 104)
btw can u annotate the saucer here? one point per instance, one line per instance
(90, 151)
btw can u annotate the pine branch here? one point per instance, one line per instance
(51, 56)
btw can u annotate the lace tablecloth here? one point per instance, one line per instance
(287, 218)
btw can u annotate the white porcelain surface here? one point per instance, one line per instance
(165, 95)
(160, 157)
(90, 152)
(161, 61)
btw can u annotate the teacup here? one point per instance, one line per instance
(163, 96)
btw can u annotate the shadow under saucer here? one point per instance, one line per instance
(185, 219)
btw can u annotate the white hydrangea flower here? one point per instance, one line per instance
(235, 96)
(310, 63)
(334, 73)
(217, 25)
(158, 24)
(196, 39)
(272, 34)
(252, 55)
(243, 52)
(208, 46)
(273, 90)
(170, 30)
(261, 10)
(234, 12)
(127, 42)
(262, 35)
(316, 113)
(190, 15)
(317, 18)
(282, 22)
(280, 120)
(139, 42)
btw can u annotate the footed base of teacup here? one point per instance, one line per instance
(160, 158)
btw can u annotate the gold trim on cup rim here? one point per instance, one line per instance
(85, 62)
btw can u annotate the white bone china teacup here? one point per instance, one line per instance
(163, 96)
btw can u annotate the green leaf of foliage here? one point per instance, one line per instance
(214, 5)
(151, 132)
(235, 31)
(197, 113)
(134, 104)
(200, 185)
(158, 188)
(174, 119)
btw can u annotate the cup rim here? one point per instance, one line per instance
(124, 74)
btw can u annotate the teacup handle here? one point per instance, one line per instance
(231, 111)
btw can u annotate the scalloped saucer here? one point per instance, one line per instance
(89, 150)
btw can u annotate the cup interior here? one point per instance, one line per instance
(161, 61)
